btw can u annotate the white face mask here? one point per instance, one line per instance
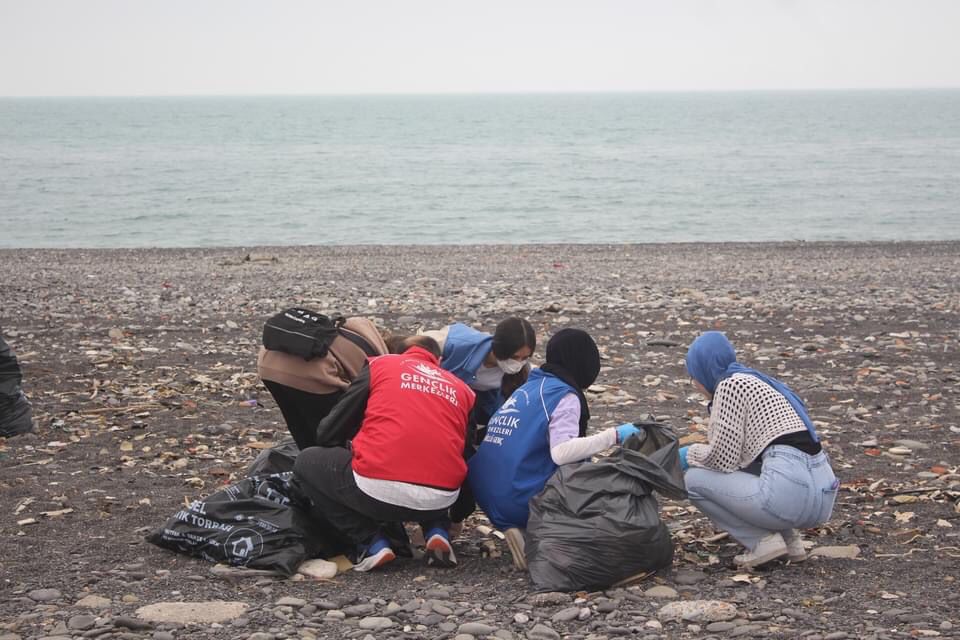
(510, 366)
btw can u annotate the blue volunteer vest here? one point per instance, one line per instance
(513, 463)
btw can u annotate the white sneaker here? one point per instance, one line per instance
(769, 548)
(515, 543)
(796, 552)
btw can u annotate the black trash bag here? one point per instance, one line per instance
(597, 523)
(277, 459)
(258, 523)
(16, 415)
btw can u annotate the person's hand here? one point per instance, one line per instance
(684, 465)
(626, 430)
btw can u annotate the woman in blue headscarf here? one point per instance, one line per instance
(762, 474)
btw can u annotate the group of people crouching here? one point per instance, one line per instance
(438, 423)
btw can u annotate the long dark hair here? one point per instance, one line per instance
(511, 335)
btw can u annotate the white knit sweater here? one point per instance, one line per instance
(747, 415)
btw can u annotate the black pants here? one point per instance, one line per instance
(302, 410)
(16, 416)
(325, 476)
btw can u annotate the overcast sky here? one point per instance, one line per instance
(212, 47)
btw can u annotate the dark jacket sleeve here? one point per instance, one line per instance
(344, 420)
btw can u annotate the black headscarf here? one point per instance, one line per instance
(572, 356)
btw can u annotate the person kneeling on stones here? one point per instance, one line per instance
(487, 363)
(762, 474)
(306, 390)
(407, 418)
(541, 426)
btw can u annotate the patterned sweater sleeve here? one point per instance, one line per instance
(725, 435)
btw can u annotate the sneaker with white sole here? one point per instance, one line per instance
(438, 552)
(377, 554)
(771, 547)
(516, 544)
(796, 552)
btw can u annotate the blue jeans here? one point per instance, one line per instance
(794, 491)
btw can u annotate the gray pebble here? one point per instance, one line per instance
(688, 577)
(288, 601)
(260, 635)
(566, 615)
(717, 627)
(163, 635)
(542, 632)
(81, 622)
(358, 610)
(476, 629)
(836, 635)
(376, 623)
(44, 595)
(521, 618)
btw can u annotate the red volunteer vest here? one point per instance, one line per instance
(415, 423)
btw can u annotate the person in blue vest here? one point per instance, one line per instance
(486, 362)
(542, 425)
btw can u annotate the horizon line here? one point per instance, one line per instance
(545, 92)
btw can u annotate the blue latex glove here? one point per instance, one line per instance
(684, 465)
(626, 430)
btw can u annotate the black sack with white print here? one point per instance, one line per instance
(258, 523)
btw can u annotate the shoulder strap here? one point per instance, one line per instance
(358, 340)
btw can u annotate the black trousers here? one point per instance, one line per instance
(302, 410)
(325, 476)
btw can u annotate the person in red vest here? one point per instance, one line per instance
(408, 421)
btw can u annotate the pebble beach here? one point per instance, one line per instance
(141, 368)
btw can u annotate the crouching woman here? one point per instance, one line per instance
(541, 426)
(762, 474)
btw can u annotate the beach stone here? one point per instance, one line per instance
(10, 636)
(849, 551)
(44, 595)
(566, 615)
(542, 632)
(447, 627)
(660, 591)
(719, 627)
(318, 569)
(548, 599)
(335, 614)
(260, 635)
(357, 610)
(93, 602)
(192, 612)
(81, 622)
(521, 618)
(476, 629)
(442, 609)
(376, 623)
(914, 445)
(288, 601)
(163, 635)
(688, 577)
(134, 624)
(697, 611)
(837, 635)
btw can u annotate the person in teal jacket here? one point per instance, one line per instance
(484, 361)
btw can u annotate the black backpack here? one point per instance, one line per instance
(308, 334)
(301, 332)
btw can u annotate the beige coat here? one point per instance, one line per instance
(334, 372)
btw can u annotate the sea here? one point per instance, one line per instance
(478, 169)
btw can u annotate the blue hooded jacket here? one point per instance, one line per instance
(711, 358)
